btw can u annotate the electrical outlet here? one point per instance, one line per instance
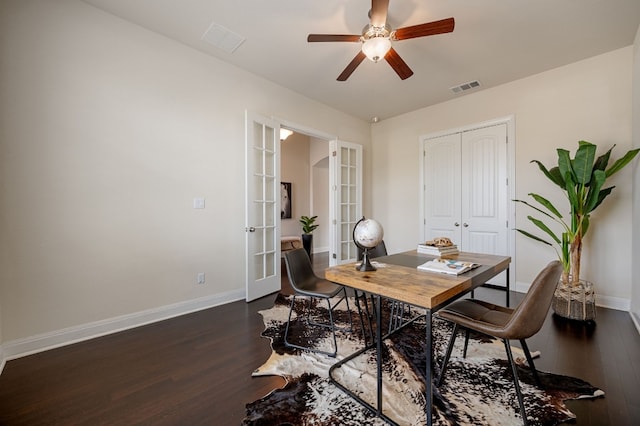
(200, 277)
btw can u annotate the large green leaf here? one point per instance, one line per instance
(552, 174)
(622, 162)
(570, 188)
(537, 209)
(601, 196)
(534, 237)
(546, 203)
(583, 162)
(540, 224)
(594, 190)
(602, 161)
(564, 164)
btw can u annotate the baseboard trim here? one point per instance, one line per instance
(22, 347)
(3, 361)
(609, 302)
(636, 321)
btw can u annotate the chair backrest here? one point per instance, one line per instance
(299, 269)
(528, 317)
(378, 251)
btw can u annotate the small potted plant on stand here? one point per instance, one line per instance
(308, 226)
(582, 179)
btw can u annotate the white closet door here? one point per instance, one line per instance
(466, 190)
(484, 210)
(442, 188)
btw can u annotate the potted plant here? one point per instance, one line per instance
(308, 226)
(582, 179)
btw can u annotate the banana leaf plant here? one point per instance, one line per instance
(582, 179)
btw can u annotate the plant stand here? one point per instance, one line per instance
(307, 243)
(575, 302)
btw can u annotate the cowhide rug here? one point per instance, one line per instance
(477, 390)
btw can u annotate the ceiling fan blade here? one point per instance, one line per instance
(379, 9)
(399, 66)
(352, 66)
(422, 30)
(332, 37)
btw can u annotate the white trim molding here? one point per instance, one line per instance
(22, 347)
(636, 321)
(3, 361)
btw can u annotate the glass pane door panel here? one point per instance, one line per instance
(259, 266)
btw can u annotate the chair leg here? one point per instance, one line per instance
(346, 299)
(369, 317)
(466, 342)
(395, 316)
(516, 382)
(286, 330)
(331, 325)
(360, 315)
(447, 355)
(532, 366)
(333, 330)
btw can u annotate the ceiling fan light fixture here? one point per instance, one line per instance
(376, 48)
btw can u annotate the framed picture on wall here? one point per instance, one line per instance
(285, 200)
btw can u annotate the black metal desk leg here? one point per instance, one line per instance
(429, 355)
(379, 349)
(508, 287)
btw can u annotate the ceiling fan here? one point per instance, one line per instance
(377, 36)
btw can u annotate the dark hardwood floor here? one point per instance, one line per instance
(196, 369)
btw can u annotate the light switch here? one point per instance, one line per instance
(198, 203)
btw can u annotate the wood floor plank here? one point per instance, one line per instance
(196, 369)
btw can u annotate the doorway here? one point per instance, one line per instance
(263, 204)
(304, 164)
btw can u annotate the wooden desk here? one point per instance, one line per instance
(400, 280)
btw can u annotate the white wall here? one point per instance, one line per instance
(588, 100)
(635, 254)
(108, 132)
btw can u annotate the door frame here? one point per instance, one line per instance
(509, 121)
(333, 142)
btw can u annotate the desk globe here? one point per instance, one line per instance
(366, 235)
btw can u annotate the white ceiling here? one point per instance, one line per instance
(494, 41)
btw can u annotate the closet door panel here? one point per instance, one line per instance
(442, 187)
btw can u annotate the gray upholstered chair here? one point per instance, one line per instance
(306, 283)
(505, 323)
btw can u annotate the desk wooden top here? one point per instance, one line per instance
(400, 279)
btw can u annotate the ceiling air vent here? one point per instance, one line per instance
(465, 86)
(222, 38)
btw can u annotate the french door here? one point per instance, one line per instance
(345, 203)
(262, 206)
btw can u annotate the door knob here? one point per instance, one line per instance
(456, 224)
(252, 229)
(466, 225)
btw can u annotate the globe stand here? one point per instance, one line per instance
(366, 263)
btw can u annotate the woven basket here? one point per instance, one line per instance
(575, 302)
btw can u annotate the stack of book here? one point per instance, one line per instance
(438, 251)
